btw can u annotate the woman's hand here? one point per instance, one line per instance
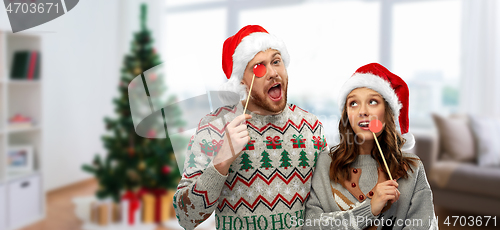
(382, 193)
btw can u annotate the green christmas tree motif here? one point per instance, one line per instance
(315, 158)
(245, 162)
(208, 161)
(231, 170)
(192, 162)
(303, 159)
(266, 162)
(285, 160)
(175, 205)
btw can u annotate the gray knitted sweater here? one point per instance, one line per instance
(267, 184)
(335, 206)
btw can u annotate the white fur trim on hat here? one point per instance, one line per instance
(372, 82)
(245, 52)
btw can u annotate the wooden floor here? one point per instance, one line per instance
(60, 210)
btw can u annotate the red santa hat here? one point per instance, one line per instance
(391, 87)
(241, 48)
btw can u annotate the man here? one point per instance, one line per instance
(253, 169)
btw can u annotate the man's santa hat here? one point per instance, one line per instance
(391, 87)
(240, 49)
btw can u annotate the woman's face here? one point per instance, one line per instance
(364, 105)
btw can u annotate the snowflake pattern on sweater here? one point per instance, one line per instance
(267, 184)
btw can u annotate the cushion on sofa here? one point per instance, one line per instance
(472, 179)
(487, 137)
(455, 136)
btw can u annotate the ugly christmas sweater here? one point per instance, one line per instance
(267, 184)
(347, 206)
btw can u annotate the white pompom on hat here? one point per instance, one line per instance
(391, 87)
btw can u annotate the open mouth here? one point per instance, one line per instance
(275, 92)
(364, 125)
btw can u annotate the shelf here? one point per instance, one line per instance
(19, 130)
(23, 82)
(23, 192)
(19, 176)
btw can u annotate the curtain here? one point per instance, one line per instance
(480, 58)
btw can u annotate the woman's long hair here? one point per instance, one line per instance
(346, 152)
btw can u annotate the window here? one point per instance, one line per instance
(426, 54)
(327, 41)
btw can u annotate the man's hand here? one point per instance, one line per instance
(235, 139)
(382, 193)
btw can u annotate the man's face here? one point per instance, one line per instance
(269, 93)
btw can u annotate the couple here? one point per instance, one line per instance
(256, 169)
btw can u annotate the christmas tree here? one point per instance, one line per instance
(315, 158)
(245, 162)
(285, 160)
(192, 162)
(133, 162)
(266, 162)
(303, 159)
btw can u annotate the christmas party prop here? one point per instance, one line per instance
(375, 126)
(259, 70)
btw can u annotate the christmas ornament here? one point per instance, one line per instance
(132, 175)
(131, 151)
(142, 165)
(166, 169)
(137, 71)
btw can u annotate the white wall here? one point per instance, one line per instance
(81, 62)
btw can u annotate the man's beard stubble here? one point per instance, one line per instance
(261, 102)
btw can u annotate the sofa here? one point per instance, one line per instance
(462, 162)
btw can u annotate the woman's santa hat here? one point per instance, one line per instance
(391, 87)
(240, 49)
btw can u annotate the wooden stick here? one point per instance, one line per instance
(382, 154)
(249, 92)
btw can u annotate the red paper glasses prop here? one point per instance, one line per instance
(376, 126)
(259, 70)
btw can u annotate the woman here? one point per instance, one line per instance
(351, 186)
